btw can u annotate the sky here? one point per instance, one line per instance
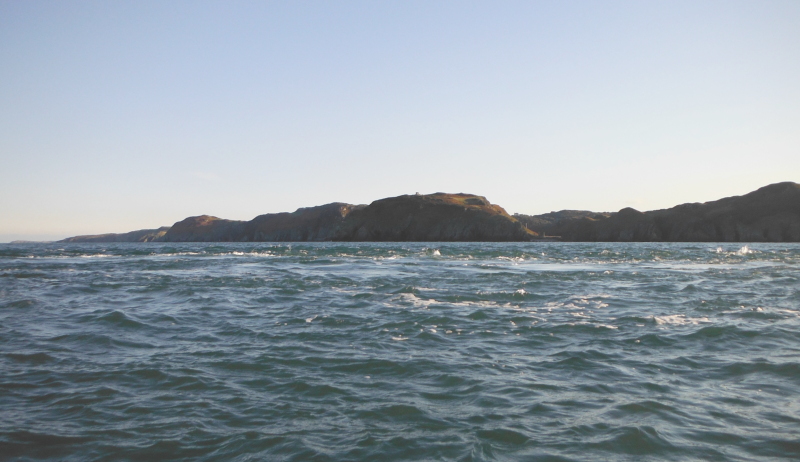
(123, 115)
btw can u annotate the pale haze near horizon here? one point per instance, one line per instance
(116, 116)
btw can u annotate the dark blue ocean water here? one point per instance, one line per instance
(400, 351)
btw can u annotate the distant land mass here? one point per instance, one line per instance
(769, 214)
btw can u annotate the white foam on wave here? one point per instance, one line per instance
(678, 320)
(432, 252)
(235, 253)
(419, 302)
(787, 311)
(416, 301)
(589, 323)
(580, 302)
(514, 260)
(601, 295)
(253, 254)
(745, 251)
(482, 304)
(381, 258)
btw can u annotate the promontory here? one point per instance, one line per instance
(769, 214)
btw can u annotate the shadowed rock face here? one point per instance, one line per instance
(306, 224)
(769, 214)
(432, 217)
(551, 224)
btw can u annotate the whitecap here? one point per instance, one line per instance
(678, 320)
(745, 250)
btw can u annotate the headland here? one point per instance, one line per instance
(769, 214)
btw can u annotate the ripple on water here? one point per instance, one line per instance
(399, 351)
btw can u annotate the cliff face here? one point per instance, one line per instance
(769, 214)
(205, 228)
(306, 224)
(432, 217)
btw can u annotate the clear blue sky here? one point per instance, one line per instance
(117, 116)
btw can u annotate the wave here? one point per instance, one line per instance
(486, 351)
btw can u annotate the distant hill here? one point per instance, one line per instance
(319, 223)
(432, 217)
(143, 235)
(769, 214)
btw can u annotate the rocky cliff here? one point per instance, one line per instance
(432, 217)
(205, 228)
(320, 223)
(769, 214)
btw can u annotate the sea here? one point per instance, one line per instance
(538, 351)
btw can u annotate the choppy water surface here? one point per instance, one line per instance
(400, 351)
